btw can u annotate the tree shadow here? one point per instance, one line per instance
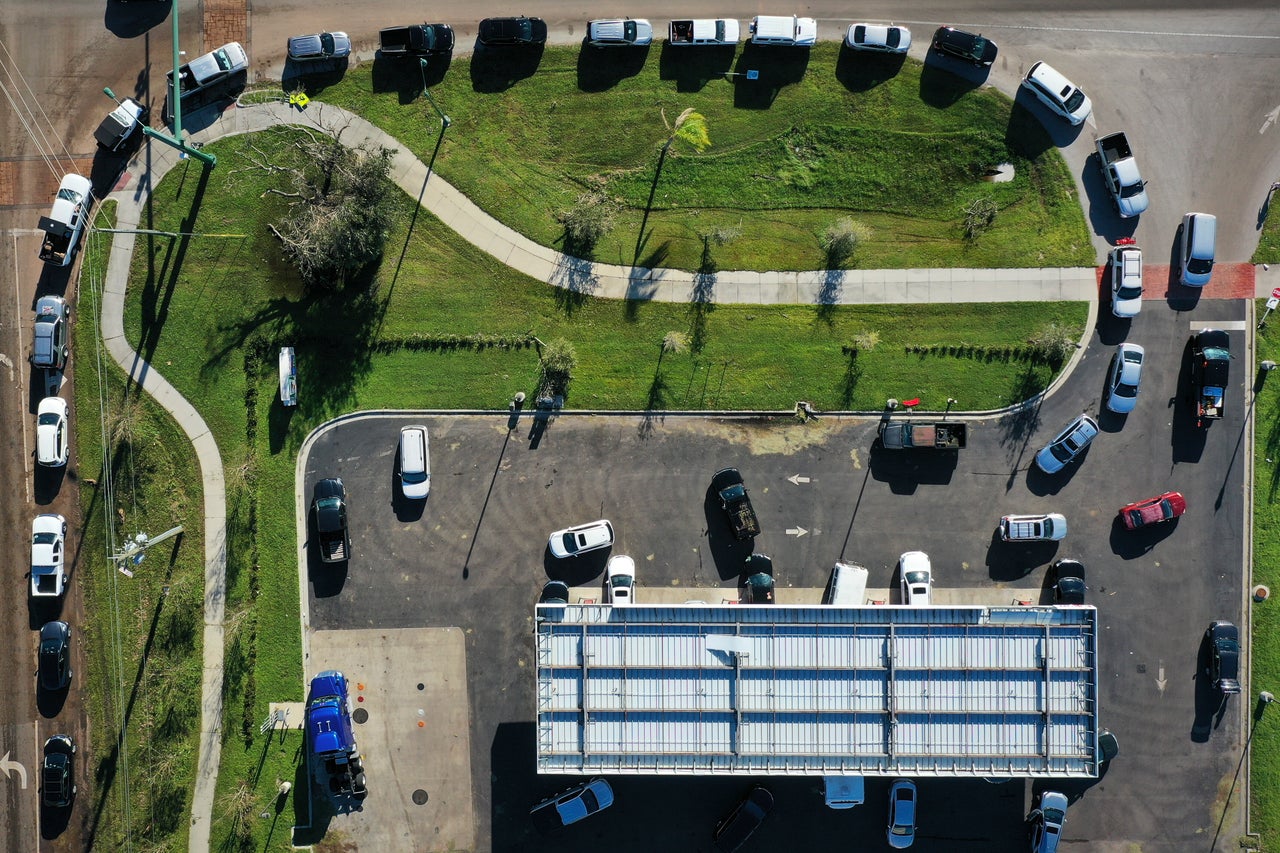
(130, 20)
(497, 69)
(828, 298)
(602, 68)
(692, 67)
(850, 378)
(774, 67)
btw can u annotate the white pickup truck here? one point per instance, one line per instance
(1047, 527)
(1121, 175)
(704, 31)
(66, 221)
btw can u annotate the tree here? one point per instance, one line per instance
(690, 127)
(339, 216)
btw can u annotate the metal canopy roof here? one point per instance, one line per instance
(814, 690)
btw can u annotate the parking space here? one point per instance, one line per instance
(475, 556)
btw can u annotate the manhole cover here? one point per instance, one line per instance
(421, 686)
(420, 797)
(360, 716)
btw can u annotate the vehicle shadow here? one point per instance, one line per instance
(905, 470)
(1186, 439)
(1055, 132)
(576, 571)
(405, 509)
(1112, 330)
(128, 21)
(327, 579)
(602, 68)
(314, 76)
(1011, 561)
(498, 69)
(1129, 544)
(1041, 484)
(49, 702)
(1178, 295)
(1210, 705)
(54, 822)
(773, 67)
(858, 71)
(398, 75)
(941, 86)
(692, 67)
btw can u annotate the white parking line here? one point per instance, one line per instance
(1225, 325)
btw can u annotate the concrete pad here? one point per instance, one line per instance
(415, 740)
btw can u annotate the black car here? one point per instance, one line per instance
(554, 592)
(736, 827)
(759, 585)
(57, 774)
(512, 31)
(55, 655)
(1224, 657)
(970, 47)
(1068, 583)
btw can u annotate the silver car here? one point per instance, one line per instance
(1124, 378)
(1067, 445)
(319, 46)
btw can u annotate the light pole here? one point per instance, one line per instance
(951, 401)
(444, 119)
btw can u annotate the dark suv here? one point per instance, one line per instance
(49, 348)
(736, 827)
(57, 774)
(1224, 657)
(967, 46)
(54, 662)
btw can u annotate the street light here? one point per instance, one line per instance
(951, 401)
(444, 119)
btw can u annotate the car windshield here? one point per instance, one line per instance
(629, 30)
(44, 539)
(859, 34)
(589, 801)
(570, 542)
(1166, 509)
(894, 37)
(622, 580)
(326, 42)
(1053, 818)
(1216, 354)
(1123, 390)
(1061, 452)
(419, 477)
(1074, 101)
(979, 46)
(1129, 291)
(917, 577)
(1199, 266)
(48, 419)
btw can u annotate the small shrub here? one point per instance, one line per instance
(978, 217)
(841, 240)
(1052, 344)
(586, 222)
(865, 341)
(559, 359)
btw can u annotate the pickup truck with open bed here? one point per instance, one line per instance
(1120, 174)
(711, 31)
(736, 503)
(905, 435)
(416, 40)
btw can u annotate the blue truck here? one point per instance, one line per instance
(332, 740)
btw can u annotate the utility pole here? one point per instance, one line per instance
(133, 548)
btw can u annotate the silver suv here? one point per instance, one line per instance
(50, 349)
(615, 32)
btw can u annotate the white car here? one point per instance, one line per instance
(917, 578)
(1126, 281)
(48, 578)
(620, 580)
(1124, 378)
(573, 541)
(1058, 93)
(878, 37)
(52, 432)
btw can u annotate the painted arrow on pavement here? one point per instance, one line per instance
(797, 479)
(6, 765)
(796, 531)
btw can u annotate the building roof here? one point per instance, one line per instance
(814, 690)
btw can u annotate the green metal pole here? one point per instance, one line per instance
(173, 82)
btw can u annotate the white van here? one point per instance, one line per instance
(1199, 234)
(844, 792)
(415, 462)
(848, 587)
(788, 31)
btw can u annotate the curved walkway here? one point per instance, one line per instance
(517, 251)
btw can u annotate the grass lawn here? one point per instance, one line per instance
(445, 327)
(1268, 251)
(822, 135)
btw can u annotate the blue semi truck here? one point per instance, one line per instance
(332, 740)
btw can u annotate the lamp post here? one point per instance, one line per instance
(951, 401)
(444, 119)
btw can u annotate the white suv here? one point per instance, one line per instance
(1058, 93)
(619, 31)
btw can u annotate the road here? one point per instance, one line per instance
(1194, 89)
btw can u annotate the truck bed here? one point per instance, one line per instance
(1113, 147)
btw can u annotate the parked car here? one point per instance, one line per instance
(54, 656)
(619, 32)
(1125, 378)
(319, 46)
(1155, 510)
(1197, 247)
(759, 588)
(1068, 581)
(1067, 445)
(1047, 819)
(1210, 374)
(878, 37)
(1126, 281)
(554, 592)
(1038, 527)
(52, 432)
(49, 347)
(620, 580)
(573, 541)
(916, 578)
(578, 803)
(736, 827)
(970, 47)
(1224, 657)
(48, 575)
(902, 814)
(415, 462)
(58, 772)
(1108, 746)
(1058, 93)
(512, 31)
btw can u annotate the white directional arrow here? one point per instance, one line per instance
(1272, 118)
(6, 765)
(796, 531)
(1160, 680)
(797, 479)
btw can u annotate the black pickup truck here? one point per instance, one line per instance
(1210, 372)
(329, 503)
(416, 40)
(904, 435)
(736, 503)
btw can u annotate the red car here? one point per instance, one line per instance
(1164, 507)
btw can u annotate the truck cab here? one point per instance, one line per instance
(330, 734)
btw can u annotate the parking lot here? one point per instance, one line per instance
(475, 557)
